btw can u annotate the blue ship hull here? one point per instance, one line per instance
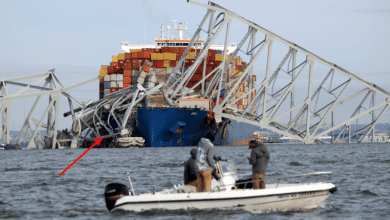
(175, 127)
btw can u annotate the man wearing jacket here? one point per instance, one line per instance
(205, 163)
(190, 175)
(259, 160)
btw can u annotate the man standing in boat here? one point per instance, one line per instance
(259, 160)
(205, 163)
(190, 174)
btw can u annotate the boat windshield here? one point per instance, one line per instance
(228, 167)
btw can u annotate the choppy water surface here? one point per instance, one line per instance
(31, 188)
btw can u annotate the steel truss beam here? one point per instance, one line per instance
(264, 109)
(55, 90)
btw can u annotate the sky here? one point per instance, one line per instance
(76, 37)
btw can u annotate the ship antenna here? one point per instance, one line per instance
(168, 31)
(162, 32)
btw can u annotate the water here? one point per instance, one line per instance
(31, 188)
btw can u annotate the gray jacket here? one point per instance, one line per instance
(189, 168)
(204, 157)
(259, 158)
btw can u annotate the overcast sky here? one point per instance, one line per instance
(40, 35)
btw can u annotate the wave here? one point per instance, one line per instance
(367, 192)
(296, 164)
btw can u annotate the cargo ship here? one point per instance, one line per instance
(158, 122)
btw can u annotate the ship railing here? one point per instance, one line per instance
(279, 178)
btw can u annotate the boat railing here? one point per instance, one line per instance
(279, 178)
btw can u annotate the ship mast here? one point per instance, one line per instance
(180, 27)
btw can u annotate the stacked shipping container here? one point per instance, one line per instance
(125, 69)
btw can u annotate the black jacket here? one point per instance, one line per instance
(189, 168)
(259, 158)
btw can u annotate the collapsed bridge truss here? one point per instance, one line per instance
(335, 99)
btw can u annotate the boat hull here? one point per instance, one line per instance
(287, 198)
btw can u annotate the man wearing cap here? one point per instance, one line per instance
(259, 160)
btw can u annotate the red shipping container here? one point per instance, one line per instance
(175, 49)
(145, 54)
(135, 60)
(114, 63)
(134, 55)
(239, 67)
(118, 69)
(127, 66)
(198, 87)
(126, 80)
(172, 63)
(154, 63)
(146, 68)
(189, 84)
(127, 73)
(125, 85)
(112, 90)
(121, 63)
(208, 79)
(156, 51)
(217, 63)
(127, 56)
(196, 77)
(160, 63)
(135, 66)
(110, 69)
(192, 49)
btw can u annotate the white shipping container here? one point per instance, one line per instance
(113, 77)
(119, 84)
(106, 92)
(135, 73)
(119, 77)
(113, 84)
(107, 78)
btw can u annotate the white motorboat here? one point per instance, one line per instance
(227, 192)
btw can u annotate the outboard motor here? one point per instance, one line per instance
(113, 192)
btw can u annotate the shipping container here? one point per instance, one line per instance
(134, 55)
(115, 64)
(160, 64)
(110, 69)
(127, 56)
(127, 80)
(106, 92)
(172, 63)
(112, 90)
(135, 66)
(119, 77)
(218, 57)
(104, 67)
(135, 73)
(107, 85)
(134, 80)
(146, 68)
(113, 77)
(121, 56)
(125, 85)
(119, 84)
(113, 84)
(127, 66)
(107, 78)
(114, 59)
(127, 73)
